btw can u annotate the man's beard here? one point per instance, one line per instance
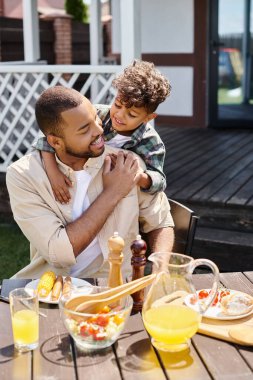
(83, 154)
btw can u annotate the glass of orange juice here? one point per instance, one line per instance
(24, 307)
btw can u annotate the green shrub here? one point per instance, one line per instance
(77, 9)
(14, 250)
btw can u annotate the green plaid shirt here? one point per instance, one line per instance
(145, 142)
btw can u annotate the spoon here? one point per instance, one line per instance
(76, 301)
(91, 303)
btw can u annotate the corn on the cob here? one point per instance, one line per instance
(46, 284)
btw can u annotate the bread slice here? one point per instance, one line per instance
(237, 304)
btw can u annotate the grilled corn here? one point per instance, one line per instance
(57, 288)
(66, 286)
(46, 284)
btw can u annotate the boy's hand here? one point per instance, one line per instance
(58, 181)
(120, 177)
(144, 180)
(60, 184)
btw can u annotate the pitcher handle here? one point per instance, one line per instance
(206, 302)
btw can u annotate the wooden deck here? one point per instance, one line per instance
(211, 171)
(208, 165)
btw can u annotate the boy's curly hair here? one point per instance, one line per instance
(142, 85)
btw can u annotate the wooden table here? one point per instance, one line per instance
(132, 357)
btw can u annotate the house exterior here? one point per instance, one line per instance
(188, 40)
(204, 47)
(14, 8)
(173, 36)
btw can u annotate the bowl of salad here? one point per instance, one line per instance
(95, 331)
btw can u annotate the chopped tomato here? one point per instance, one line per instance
(102, 320)
(92, 330)
(83, 330)
(203, 294)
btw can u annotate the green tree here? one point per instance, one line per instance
(77, 9)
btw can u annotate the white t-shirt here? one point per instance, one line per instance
(118, 140)
(80, 204)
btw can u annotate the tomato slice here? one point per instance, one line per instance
(221, 293)
(203, 294)
(216, 300)
(84, 330)
(193, 300)
(224, 293)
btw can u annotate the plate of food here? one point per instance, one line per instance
(50, 287)
(228, 304)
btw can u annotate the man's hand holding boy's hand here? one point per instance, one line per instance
(120, 174)
(144, 180)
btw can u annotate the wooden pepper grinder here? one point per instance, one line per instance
(138, 261)
(115, 258)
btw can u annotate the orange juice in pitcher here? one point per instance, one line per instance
(167, 319)
(171, 324)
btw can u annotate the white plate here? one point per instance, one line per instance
(75, 281)
(214, 312)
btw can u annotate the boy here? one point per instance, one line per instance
(140, 89)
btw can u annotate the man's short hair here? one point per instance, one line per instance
(51, 103)
(142, 85)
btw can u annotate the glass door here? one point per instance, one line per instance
(231, 63)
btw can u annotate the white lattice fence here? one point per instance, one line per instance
(20, 87)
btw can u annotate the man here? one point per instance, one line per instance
(71, 239)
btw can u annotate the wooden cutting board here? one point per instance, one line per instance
(220, 329)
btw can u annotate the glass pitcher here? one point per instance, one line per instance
(169, 321)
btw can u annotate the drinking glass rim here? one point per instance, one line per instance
(26, 294)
